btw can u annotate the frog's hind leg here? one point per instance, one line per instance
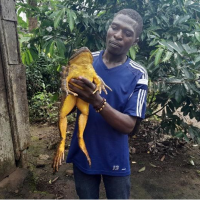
(67, 106)
(82, 121)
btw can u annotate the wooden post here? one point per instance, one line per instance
(14, 121)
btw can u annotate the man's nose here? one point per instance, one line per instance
(118, 35)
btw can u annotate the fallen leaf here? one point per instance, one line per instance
(192, 162)
(142, 169)
(152, 165)
(50, 181)
(133, 162)
(163, 158)
(198, 171)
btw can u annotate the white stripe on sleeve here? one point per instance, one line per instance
(140, 101)
(143, 81)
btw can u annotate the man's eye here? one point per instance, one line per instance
(128, 34)
(114, 27)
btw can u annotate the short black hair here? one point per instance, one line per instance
(135, 16)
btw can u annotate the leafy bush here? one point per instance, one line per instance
(41, 75)
(42, 107)
(169, 49)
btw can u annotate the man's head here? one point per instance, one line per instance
(124, 31)
(135, 16)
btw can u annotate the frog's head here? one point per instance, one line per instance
(81, 55)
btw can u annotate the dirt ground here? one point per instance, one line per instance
(153, 176)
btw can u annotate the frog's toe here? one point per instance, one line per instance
(73, 93)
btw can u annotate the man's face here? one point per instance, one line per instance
(121, 34)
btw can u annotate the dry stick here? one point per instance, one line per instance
(55, 179)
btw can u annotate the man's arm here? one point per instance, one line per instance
(120, 121)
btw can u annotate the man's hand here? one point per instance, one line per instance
(86, 93)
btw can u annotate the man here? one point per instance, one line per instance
(106, 132)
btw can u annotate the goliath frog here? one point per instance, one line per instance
(80, 64)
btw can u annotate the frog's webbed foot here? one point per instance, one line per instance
(59, 156)
(101, 86)
(70, 92)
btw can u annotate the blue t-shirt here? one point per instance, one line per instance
(107, 147)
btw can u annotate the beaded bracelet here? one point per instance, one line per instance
(101, 106)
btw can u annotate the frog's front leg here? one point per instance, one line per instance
(82, 121)
(67, 106)
(100, 85)
(67, 86)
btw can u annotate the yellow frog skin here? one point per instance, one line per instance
(80, 64)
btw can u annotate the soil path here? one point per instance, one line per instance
(173, 178)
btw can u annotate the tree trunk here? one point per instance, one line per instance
(31, 19)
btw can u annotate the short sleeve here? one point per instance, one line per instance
(136, 104)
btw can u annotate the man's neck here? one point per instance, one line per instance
(112, 60)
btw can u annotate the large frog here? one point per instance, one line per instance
(80, 64)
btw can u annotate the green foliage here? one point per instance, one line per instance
(42, 107)
(42, 75)
(169, 48)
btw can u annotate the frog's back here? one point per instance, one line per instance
(81, 65)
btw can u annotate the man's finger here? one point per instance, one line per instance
(81, 81)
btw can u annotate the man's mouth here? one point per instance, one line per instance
(115, 44)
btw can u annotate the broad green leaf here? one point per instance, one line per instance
(179, 94)
(181, 19)
(165, 44)
(23, 58)
(27, 59)
(189, 49)
(191, 132)
(51, 49)
(179, 134)
(153, 53)
(158, 56)
(60, 47)
(132, 53)
(186, 86)
(194, 87)
(167, 56)
(24, 39)
(47, 46)
(21, 22)
(58, 17)
(71, 16)
(30, 56)
(197, 35)
(34, 54)
(197, 8)
(54, 14)
(187, 73)
(175, 46)
(197, 59)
